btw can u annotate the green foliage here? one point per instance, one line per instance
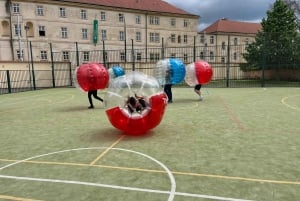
(276, 46)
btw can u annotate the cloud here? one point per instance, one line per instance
(213, 10)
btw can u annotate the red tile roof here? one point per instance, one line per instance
(145, 5)
(228, 26)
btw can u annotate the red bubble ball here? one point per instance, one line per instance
(91, 76)
(203, 71)
(139, 124)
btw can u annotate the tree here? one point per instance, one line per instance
(276, 46)
(295, 6)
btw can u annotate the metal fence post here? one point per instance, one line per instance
(52, 66)
(77, 54)
(32, 65)
(132, 56)
(162, 48)
(104, 53)
(228, 62)
(8, 81)
(194, 49)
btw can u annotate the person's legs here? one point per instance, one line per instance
(90, 99)
(96, 96)
(197, 90)
(168, 91)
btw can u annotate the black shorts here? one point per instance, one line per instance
(198, 87)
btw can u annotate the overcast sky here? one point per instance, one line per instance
(213, 10)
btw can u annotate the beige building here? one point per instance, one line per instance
(226, 40)
(87, 23)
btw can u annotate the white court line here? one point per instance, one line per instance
(119, 187)
(283, 101)
(171, 193)
(172, 179)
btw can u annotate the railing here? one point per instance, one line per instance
(226, 64)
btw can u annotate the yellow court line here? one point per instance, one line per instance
(161, 171)
(16, 198)
(103, 153)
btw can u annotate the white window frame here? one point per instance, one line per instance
(40, 10)
(64, 32)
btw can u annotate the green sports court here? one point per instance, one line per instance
(238, 144)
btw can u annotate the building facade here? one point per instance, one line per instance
(226, 40)
(90, 24)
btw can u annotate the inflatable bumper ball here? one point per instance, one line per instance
(135, 103)
(115, 71)
(91, 76)
(169, 71)
(198, 72)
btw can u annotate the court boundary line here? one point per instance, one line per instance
(159, 171)
(171, 177)
(288, 105)
(122, 188)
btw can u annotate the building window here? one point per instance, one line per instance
(185, 39)
(122, 56)
(179, 39)
(173, 38)
(222, 59)
(18, 29)
(235, 41)
(138, 19)
(154, 37)
(62, 12)
(121, 35)
(84, 33)
(138, 36)
(202, 39)
(20, 55)
(64, 32)
(212, 39)
(44, 55)
(40, 10)
(138, 56)
(105, 55)
(154, 56)
(102, 16)
(86, 56)
(185, 23)
(201, 55)
(42, 31)
(154, 20)
(235, 56)
(247, 41)
(16, 8)
(66, 56)
(223, 45)
(173, 55)
(83, 14)
(173, 22)
(211, 55)
(121, 17)
(103, 34)
(185, 57)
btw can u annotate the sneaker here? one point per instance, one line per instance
(200, 98)
(91, 107)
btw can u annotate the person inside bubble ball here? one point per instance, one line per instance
(94, 94)
(197, 90)
(136, 104)
(168, 86)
